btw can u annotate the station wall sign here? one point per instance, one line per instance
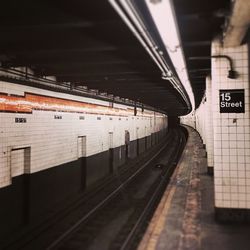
(232, 101)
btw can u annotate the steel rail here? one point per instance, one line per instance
(155, 196)
(103, 202)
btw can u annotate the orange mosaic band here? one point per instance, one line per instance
(30, 102)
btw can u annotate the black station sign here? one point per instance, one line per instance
(232, 101)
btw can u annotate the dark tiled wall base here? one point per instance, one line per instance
(142, 143)
(97, 167)
(232, 215)
(31, 198)
(13, 206)
(132, 149)
(119, 156)
(210, 170)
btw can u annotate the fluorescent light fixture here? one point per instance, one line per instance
(126, 9)
(164, 18)
(132, 14)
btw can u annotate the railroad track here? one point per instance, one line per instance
(111, 215)
(136, 231)
(119, 220)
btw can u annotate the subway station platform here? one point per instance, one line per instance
(185, 217)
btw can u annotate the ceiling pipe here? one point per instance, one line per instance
(199, 70)
(139, 30)
(232, 74)
(238, 24)
(164, 17)
(141, 35)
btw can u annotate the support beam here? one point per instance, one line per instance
(196, 43)
(199, 70)
(238, 24)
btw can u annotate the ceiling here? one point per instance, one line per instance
(87, 43)
(199, 22)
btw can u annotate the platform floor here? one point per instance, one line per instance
(185, 217)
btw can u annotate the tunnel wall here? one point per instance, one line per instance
(55, 145)
(173, 121)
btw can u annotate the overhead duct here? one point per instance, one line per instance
(238, 23)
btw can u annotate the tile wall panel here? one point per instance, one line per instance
(231, 131)
(52, 135)
(188, 120)
(209, 123)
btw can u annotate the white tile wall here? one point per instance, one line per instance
(17, 162)
(204, 122)
(231, 131)
(54, 141)
(228, 144)
(209, 124)
(200, 119)
(188, 120)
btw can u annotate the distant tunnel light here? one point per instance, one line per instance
(163, 15)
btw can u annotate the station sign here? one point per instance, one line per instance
(232, 101)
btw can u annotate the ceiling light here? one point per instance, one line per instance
(164, 18)
(131, 16)
(165, 21)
